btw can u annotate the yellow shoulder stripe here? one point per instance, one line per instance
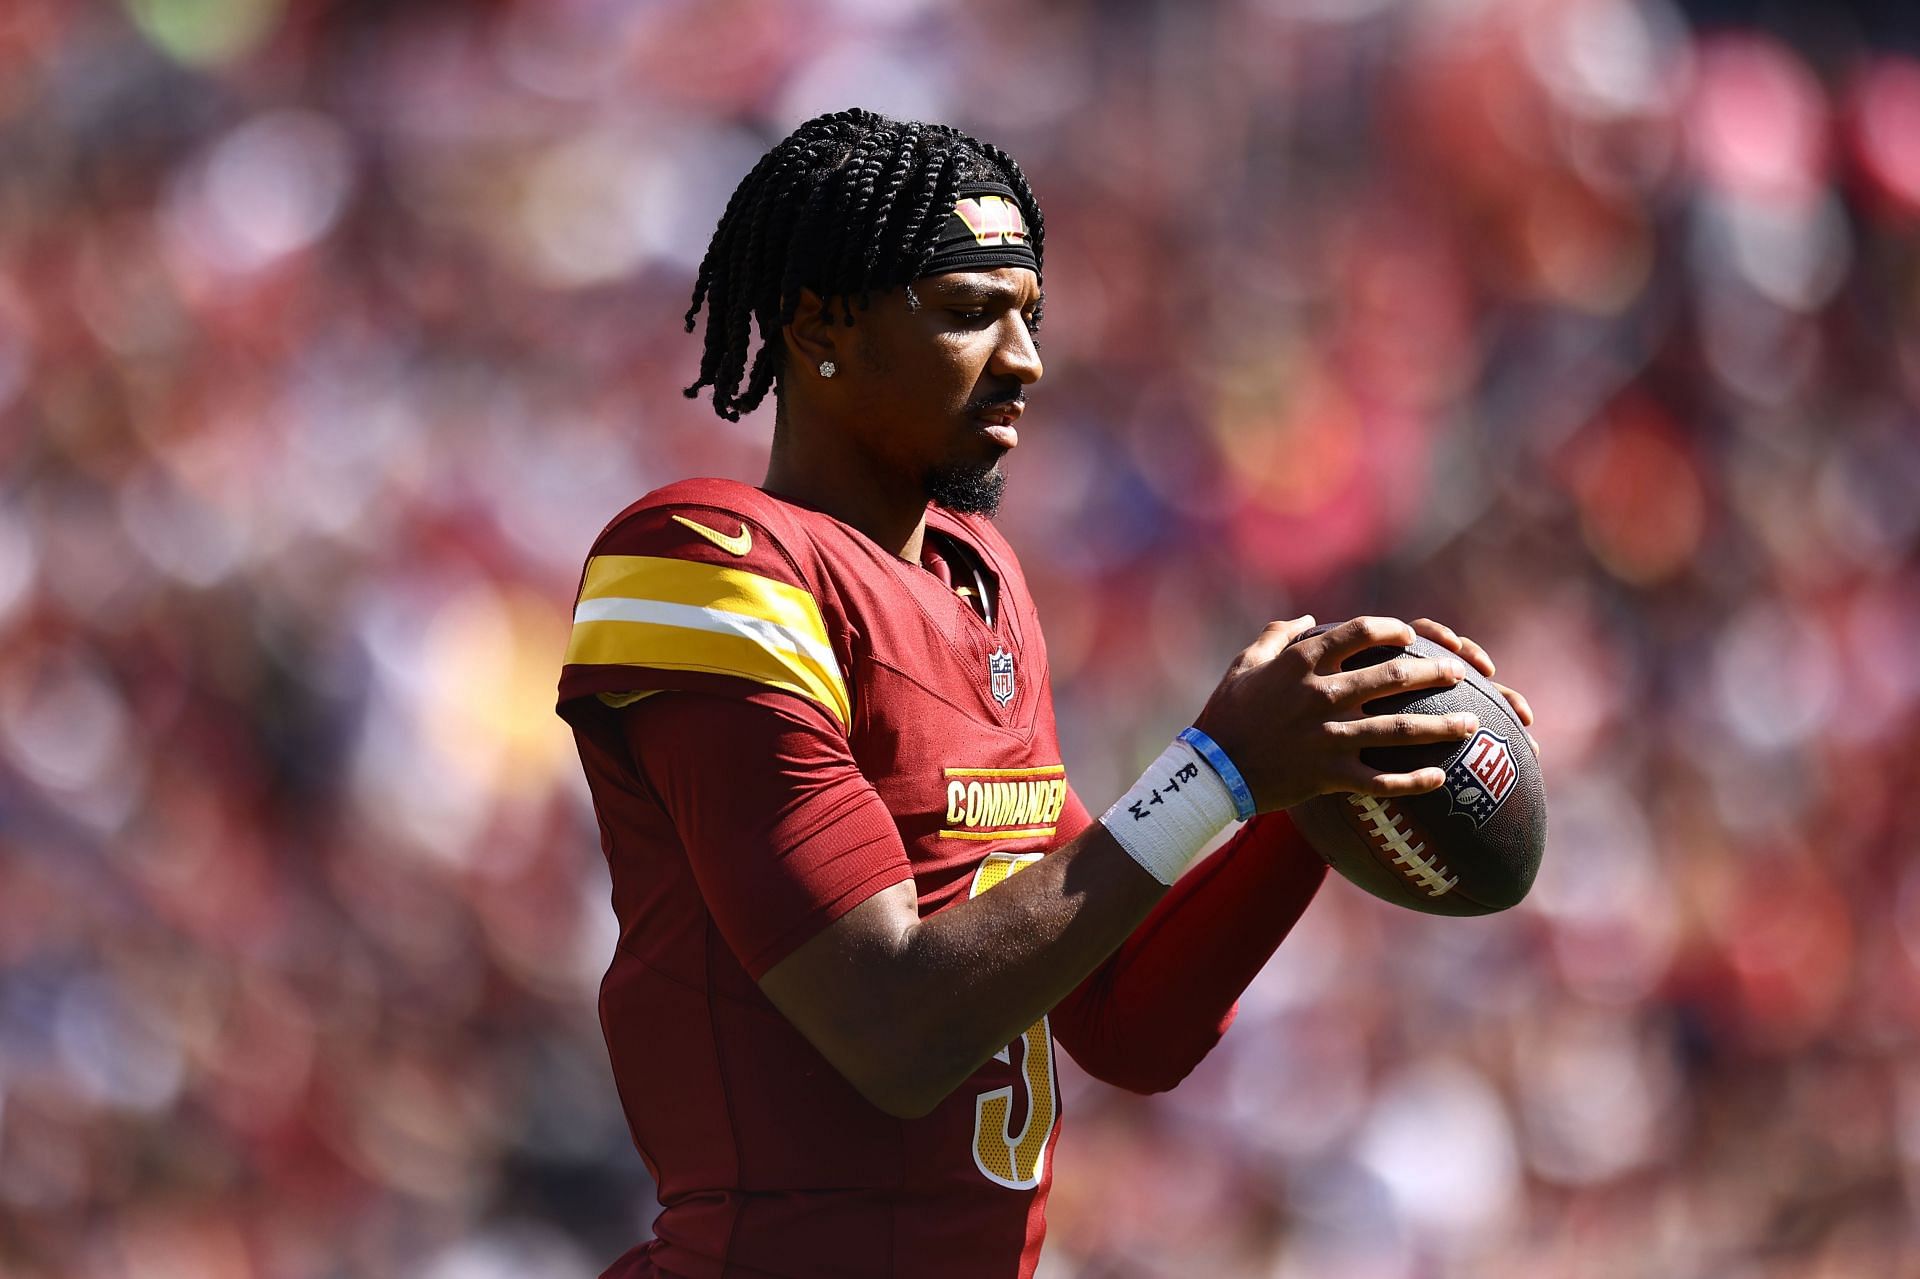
(642, 610)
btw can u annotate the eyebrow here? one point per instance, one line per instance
(970, 291)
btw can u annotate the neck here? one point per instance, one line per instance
(805, 467)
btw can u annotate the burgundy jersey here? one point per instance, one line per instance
(767, 1160)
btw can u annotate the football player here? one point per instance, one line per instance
(859, 901)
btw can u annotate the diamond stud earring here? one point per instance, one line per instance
(827, 368)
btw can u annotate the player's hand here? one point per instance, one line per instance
(1448, 638)
(1294, 723)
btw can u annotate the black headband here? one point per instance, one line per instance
(985, 229)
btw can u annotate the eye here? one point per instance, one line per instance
(969, 316)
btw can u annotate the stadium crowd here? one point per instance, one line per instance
(331, 333)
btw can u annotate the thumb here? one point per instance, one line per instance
(1274, 639)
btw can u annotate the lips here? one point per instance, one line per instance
(998, 419)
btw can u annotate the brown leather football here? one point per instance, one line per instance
(1470, 848)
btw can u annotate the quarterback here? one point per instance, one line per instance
(861, 906)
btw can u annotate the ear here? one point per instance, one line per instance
(815, 333)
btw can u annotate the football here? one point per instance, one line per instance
(1471, 847)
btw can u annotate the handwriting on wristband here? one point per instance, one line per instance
(1186, 773)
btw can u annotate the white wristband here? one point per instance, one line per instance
(1173, 811)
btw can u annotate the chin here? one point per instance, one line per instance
(972, 489)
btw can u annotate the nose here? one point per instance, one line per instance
(1017, 355)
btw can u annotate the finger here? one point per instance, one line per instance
(1364, 781)
(1439, 632)
(1448, 638)
(1403, 730)
(1403, 674)
(1335, 645)
(1481, 659)
(1515, 699)
(1273, 641)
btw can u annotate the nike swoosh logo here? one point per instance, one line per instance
(737, 545)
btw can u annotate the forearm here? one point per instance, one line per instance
(1147, 1015)
(939, 996)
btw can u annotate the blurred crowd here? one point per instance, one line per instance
(330, 334)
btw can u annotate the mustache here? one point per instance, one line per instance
(985, 402)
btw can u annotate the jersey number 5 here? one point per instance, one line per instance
(1007, 1158)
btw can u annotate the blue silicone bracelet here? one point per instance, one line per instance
(1236, 784)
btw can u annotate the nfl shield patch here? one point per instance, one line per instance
(1480, 778)
(1000, 675)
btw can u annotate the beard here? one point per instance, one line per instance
(971, 488)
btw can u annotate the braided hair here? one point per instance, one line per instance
(849, 204)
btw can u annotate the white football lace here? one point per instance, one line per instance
(1389, 829)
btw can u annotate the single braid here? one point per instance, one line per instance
(846, 205)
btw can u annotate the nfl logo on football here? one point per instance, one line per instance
(1480, 777)
(1000, 675)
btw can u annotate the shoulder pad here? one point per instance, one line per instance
(692, 586)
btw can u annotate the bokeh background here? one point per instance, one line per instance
(330, 334)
